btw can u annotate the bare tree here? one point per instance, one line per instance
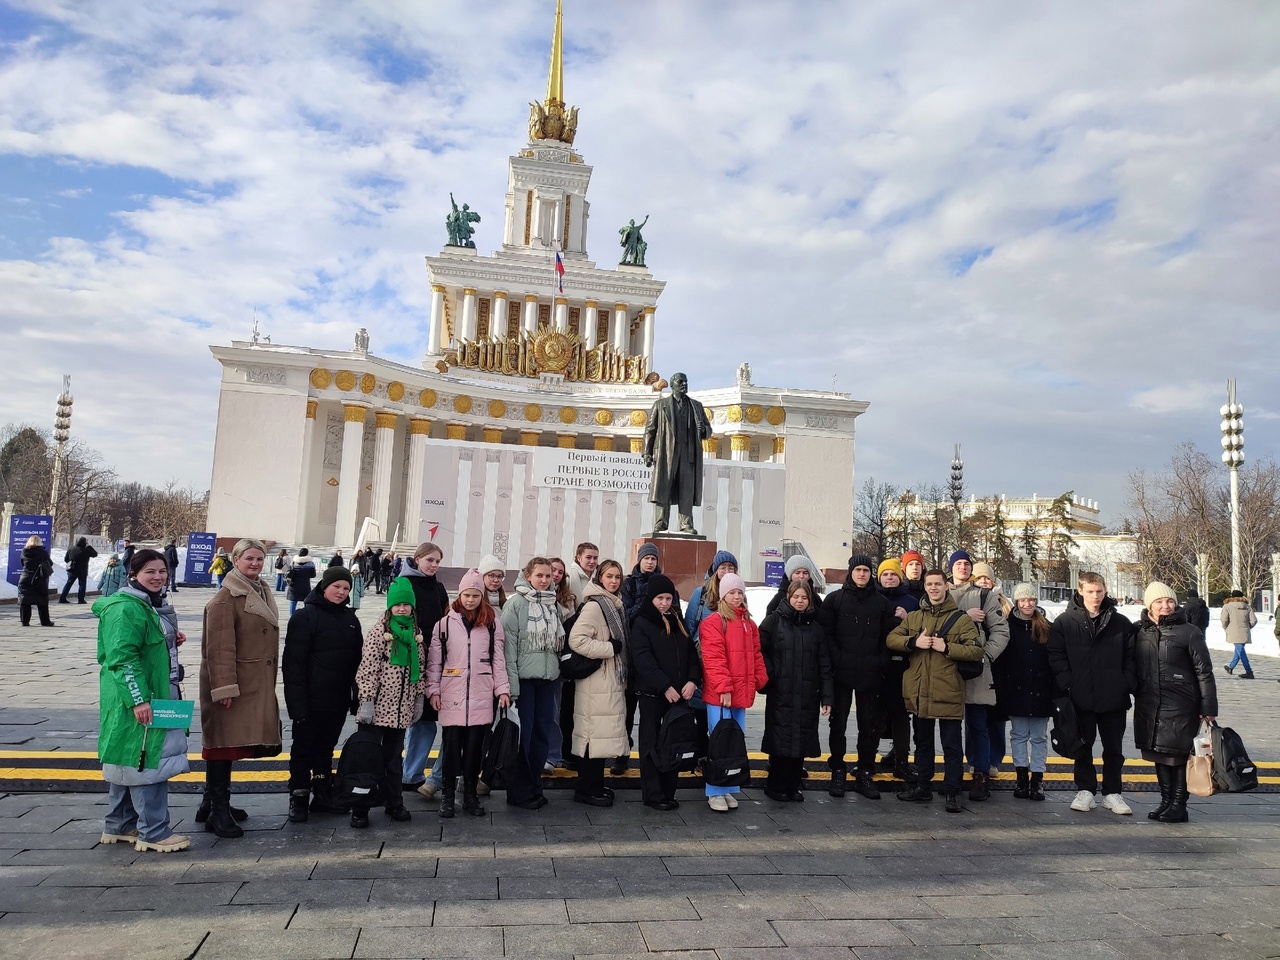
(26, 467)
(873, 518)
(173, 512)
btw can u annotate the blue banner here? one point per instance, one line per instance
(22, 526)
(774, 571)
(200, 548)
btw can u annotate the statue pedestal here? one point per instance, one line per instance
(682, 558)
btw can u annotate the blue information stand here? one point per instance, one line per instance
(774, 571)
(200, 548)
(21, 526)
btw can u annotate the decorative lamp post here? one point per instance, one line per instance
(956, 488)
(61, 433)
(1233, 455)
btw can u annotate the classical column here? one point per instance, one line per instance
(740, 445)
(344, 534)
(648, 334)
(498, 315)
(566, 441)
(469, 313)
(562, 315)
(437, 340)
(383, 457)
(530, 313)
(455, 431)
(491, 434)
(603, 441)
(419, 428)
(530, 438)
(306, 481)
(779, 449)
(711, 448)
(593, 324)
(620, 332)
(637, 444)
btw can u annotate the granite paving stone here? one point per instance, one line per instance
(323, 944)
(573, 939)
(716, 932)
(413, 942)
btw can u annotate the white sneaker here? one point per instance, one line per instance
(1115, 803)
(731, 800)
(427, 790)
(718, 803)
(548, 767)
(1083, 802)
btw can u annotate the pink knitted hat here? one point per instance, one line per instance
(471, 580)
(731, 581)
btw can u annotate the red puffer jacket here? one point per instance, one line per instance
(731, 660)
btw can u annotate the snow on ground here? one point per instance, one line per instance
(9, 591)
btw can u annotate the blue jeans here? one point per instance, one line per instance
(1030, 742)
(145, 807)
(220, 576)
(417, 746)
(556, 753)
(279, 581)
(1241, 658)
(537, 710)
(293, 605)
(977, 739)
(715, 714)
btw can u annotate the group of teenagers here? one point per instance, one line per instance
(911, 652)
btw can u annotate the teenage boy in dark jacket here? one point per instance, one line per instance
(855, 621)
(1091, 652)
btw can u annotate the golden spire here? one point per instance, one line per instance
(555, 76)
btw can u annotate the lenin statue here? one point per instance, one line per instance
(673, 448)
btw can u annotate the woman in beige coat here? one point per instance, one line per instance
(600, 700)
(239, 660)
(1238, 621)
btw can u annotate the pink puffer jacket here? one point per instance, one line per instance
(460, 671)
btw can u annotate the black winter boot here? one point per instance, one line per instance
(202, 811)
(470, 802)
(1023, 789)
(298, 805)
(978, 787)
(864, 785)
(1178, 793)
(1166, 789)
(446, 803)
(837, 783)
(217, 780)
(360, 819)
(1036, 788)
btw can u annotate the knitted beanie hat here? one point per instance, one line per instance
(958, 555)
(911, 555)
(861, 560)
(1158, 591)
(1025, 591)
(797, 561)
(722, 556)
(400, 591)
(984, 569)
(490, 564)
(893, 564)
(471, 580)
(647, 550)
(731, 581)
(332, 575)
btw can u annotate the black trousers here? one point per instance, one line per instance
(463, 753)
(868, 719)
(72, 578)
(173, 579)
(895, 721)
(392, 767)
(41, 603)
(632, 702)
(951, 735)
(1110, 727)
(590, 777)
(655, 785)
(784, 773)
(568, 690)
(311, 755)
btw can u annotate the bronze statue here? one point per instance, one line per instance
(673, 448)
(458, 224)
(632, 243)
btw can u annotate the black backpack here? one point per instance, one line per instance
(573, 665)
(501, 753)
(1065, 735)
(677, 745)
(360, 769)
(1233, 771)
(968, 669)
(727, 763)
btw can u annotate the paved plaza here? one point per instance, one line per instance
(826, 878)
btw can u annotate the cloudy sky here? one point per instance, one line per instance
(1044, 231)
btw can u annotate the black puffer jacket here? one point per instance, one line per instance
(855, 622)
(1197, 612)
(37, 566)
(634, 587)
(1175, 684)
(797, 662)
(1092, 660)
(781, 597)
(78, 558)
(661, 657)
(321, 653)
(1023, 676)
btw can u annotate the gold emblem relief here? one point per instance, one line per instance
(553, 350)
(497, 409)
(332, 481)
(604, 417)
(462, 404)
(367, 383)
(321, 378)
(312, 406)
(352, 414)
(775, 416)
(734, 414)
(755, 413)
(384, 420)
(739, 442)
(427, 398)
(568, 415)
(639, 418)
(532, 412)
(456, 431)
(419, 427)
(345, 380)
(395, 391)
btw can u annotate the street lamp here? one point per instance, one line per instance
(956, 488)
(61, 433)
(1233, 455)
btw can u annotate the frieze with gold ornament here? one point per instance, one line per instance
(549, 351)
(345, 380)
(754, 413)
(427, 398)
(568, 415)
(532, 412)
(395, 391)
(321, 378)
(367, 383)
(733, 414)
(775, 416)
(604, 417)
(462, 403)
(496, 409)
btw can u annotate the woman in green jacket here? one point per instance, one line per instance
(139, 659)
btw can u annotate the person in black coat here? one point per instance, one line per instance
(171, 561)
(896, 721)
(1024, 689)
(634, 589)
(855, 622)
(336, 560)
(1197, 610)
(1175, 692)
(301, 572)
(665, 670)
(77, 560)
(322, 647)
(1091, 652)
(33, 582)
(430, 605)
(798, 567)
(798, 663)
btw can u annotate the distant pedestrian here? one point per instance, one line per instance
(112, 577)
(282, 568)
(139, 660)
(1197, 610)
(1024, 690)
(77, 559)
(301, 572)
(33, 583)
(127, 556)
(336, 559)
(220, 566)
(1238, 621)
(171, 558)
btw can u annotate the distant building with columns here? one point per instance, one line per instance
(520, 432)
